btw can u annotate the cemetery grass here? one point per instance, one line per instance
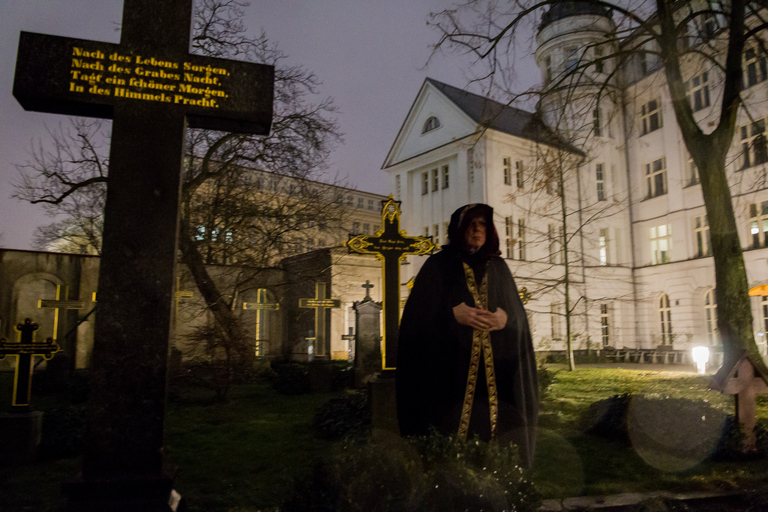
(246, 454)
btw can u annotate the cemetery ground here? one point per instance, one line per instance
(249, 453)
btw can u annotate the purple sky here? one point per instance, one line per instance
(370, 54)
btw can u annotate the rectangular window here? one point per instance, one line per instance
(521, 239)
(552, 243)
(701, 231)
(693, 172)
(571, 58)
(643, 63)
(599, 60)
(446, 177)
(605, 332)
(554, 320)
(507, 170)
(547, 69)
(397, 187)
(753, 145)
(600, 179)
(697, 91)
(596, 123)
(424, 183)
(355, 228)
(661, 244)
(650, 117)
(711, 25)
(603, 246)
(426, 230)
(445, 233)
(754, 67)
(370, 204)
(519, 174)
(471, 164)
(758, 224)
(656, 178)
(435, 180)
(509, 226)
(436, 233)
(360, 202)
(366, 229)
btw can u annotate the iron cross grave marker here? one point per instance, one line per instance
(153, 89)
(261, 306)
(321, 305)
(57, 304)
(391, 245)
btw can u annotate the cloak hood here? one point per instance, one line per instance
(460, 220)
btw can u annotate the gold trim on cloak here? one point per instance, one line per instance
(481, 346)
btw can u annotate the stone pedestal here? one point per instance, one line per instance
(147, 494)
(381, 394)
(20, 433)
(320, 375)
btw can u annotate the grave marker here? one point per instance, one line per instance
(57, 304)
(25, 348)
(152, 89)
(321, 305)
(261, 306)
(391, 246)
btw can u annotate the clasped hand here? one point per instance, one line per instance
(480, 319)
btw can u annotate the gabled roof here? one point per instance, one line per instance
(491, 114)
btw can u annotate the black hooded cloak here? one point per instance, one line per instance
(435, 364)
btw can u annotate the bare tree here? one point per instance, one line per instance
(672, 35)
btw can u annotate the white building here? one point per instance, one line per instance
(632, 212)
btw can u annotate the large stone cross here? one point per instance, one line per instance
(261, 306)
(391, 246)
(25, 348)
(321, 305)
(153, 89)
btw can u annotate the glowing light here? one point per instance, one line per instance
(700, 357)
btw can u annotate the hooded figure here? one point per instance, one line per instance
(465, 361)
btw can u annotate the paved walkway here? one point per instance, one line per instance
(753, 500)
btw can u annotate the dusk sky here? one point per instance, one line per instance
(371, 56)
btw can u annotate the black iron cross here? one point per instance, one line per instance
(25, 349)
(321, 305)
(391, 245)
(58, 304)
(152, 89)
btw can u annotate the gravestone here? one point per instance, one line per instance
(21, 428)
(152, 89)
(319, 372)
(350, 339)
(368, 341)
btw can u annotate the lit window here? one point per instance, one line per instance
(754, 67)
(507, 170)
(710, 313)
(661, 244)
(656, 178)
(753, 144)
(604, 325)
(650, 116)
(603, 246)
(446, 177)
(431, 124)
(665, 320)
(600, 179)
(758, 224)
(424, 183)
(519, 173)
(697, 91)
(701, 230)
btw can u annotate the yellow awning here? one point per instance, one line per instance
(759, 291)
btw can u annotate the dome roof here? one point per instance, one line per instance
(568, 8)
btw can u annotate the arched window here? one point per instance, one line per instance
(710, 312)
(665, 320)
(431, 124)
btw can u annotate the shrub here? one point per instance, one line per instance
(432, 473)
(63, 432)
(732, 439)
(340, 417)
(546, 380)
(342, 374)
(290, 378)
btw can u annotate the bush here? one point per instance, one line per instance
(732, 439)
(546, 380)
(343, 375)
(63, 432)
(433, 473)
(290, 378)
(340, 417)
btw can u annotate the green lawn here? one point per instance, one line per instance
(246, 454)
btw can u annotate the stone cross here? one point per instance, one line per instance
(321, 305)
(350, 339)
(57, 304)
(153, 89)
(367, 287)
(25, 349)
(261, 306)
(391, 246)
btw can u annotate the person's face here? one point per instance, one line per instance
(474, 236)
